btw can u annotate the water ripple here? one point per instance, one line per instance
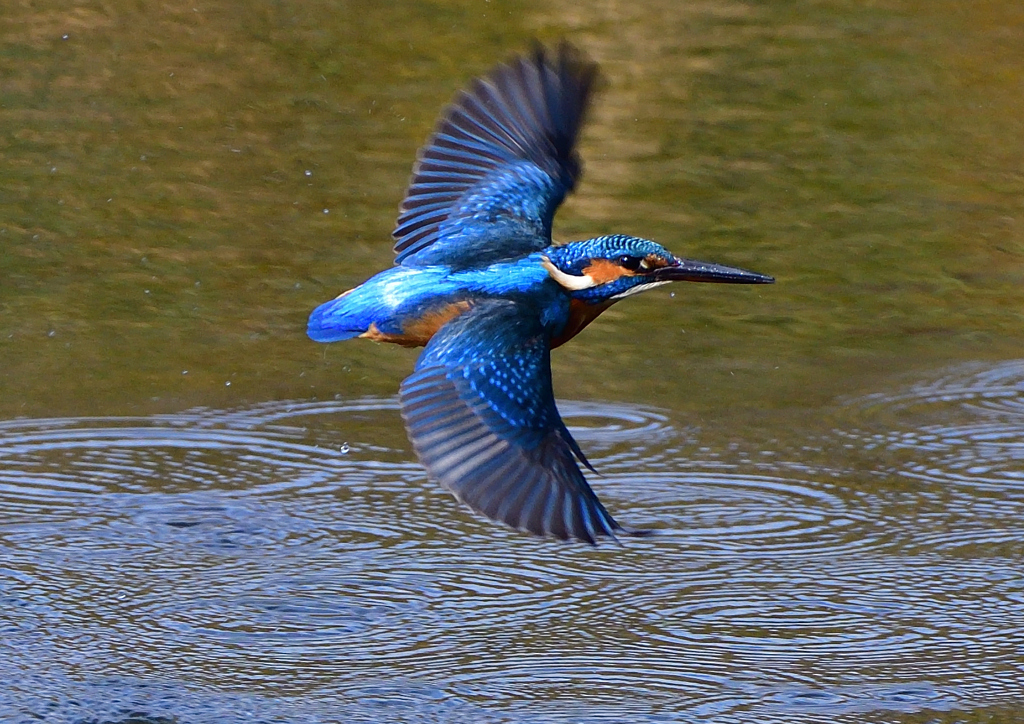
(601, 425)
(296, 546)
(733, 513)
(951, 450)
(994, 388)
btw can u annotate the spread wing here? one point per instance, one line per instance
(488, 182)
(481, 415)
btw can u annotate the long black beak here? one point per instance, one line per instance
(690, 270)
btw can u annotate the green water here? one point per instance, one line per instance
(182, 182)
(157, 215)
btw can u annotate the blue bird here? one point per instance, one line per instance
(478, 281)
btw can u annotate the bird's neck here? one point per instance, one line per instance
(580, 315)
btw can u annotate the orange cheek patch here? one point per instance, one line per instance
(603, 271)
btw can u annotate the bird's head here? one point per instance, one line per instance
(609, 268)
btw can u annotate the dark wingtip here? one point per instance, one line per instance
(614, 536)
(529, 109)
(576, 77)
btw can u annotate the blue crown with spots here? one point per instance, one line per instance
(574, 257)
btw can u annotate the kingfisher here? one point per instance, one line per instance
(478, 281)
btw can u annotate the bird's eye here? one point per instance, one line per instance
(633, 263)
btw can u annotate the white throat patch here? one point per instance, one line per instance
(639, 288)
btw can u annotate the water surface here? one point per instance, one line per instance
(204, 517)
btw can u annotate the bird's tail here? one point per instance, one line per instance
(337, 319)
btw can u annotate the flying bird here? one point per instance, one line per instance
(479, 282)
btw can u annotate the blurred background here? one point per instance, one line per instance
(182, 182)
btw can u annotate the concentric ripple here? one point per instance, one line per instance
(286, 525)
(732, 513)
(996, 388)
(297, 546)
(965, 427)
(959, 440)
(606, 424)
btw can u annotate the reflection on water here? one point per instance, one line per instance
(270, 564)
(183, 181)
(981, 447)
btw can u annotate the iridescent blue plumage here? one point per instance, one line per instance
(479, 282)
(487, 184)
(481, 413)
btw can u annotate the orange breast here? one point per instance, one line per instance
(580, 315)
(417, 332)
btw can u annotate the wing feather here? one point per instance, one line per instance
(496, 439)
(503, 154)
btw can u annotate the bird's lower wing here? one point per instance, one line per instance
(481, 416)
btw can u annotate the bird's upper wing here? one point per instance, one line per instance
(481, 415)
(488, 182)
